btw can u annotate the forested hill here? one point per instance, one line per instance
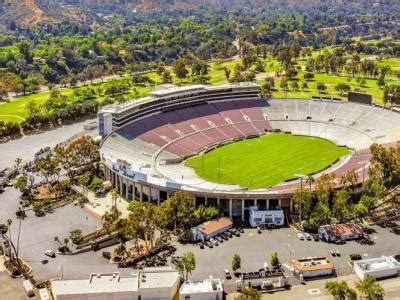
(90, 12)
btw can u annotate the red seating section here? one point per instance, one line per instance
(187, 131)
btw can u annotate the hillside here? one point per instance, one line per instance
(31, 12)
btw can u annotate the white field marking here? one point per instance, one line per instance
(14, 116)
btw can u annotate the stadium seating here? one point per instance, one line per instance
(178, 134)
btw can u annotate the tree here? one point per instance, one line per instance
(381, 82)
(76, 236)
(179, 211)
(320, 215)
(340, 205)
(96, 184)
(321, 87)
(236, 262)
(186, 264)
(14, 250)
(227, 73)
(294, 85)
(180, 69)
(249, 294)
(342, 88)
(203, 213)
(340, 290)
(21, 183)
(114, 197)
(370, 288)
(303, 201)
(166, 77)
(274, 259)
(308, 76)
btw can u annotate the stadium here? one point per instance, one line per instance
(233, 149)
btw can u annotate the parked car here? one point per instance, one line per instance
(219, 239)
(224, 236)
(332, 252)
(201, 245)
(214, 242)
(258, 230)
(235, 232)
(227, 274)
(307, 236)
(340, 242)
(316, 237)
(229, 234)
(300, 236)
(355, 256)
(240, 229)
(209, 244)
(50, 253)
(337, 253)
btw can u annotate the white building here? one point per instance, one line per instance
(156, 284)
(210, 229)
(208, 289)
(381, 267)
(312, 267)
(263, 217)
(152, 283)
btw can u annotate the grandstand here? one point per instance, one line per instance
(147, 140)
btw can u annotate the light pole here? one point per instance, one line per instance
(301, 177)
(363, 163)
(390, 95)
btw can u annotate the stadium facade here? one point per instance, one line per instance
(146, 140)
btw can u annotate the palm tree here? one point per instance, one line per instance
(340, 290)
(4, 228)
(114, 197)
(18, 162)
(310, 180)
(370, 288)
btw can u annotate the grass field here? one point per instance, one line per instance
(266, 161)
(16, 110)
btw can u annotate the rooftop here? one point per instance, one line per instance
(210, 227)
(148, 278)
(97, 283)
(202, 286)
(158, 278)
(379, 263)
(313, 263)
(343, 229)
(170, 89)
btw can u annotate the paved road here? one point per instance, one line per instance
(27, 146)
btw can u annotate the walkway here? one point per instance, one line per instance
(97, 206)
(315, 289)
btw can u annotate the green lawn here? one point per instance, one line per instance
(17, 110)
(266, 161)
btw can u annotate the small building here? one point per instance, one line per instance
(344, 232)
(98, 286)
(208, 289)
(151, 283)
(312, 267)
(266, 217)
(158, 283)
(210, 229)
(381, 267)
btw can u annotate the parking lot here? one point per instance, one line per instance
(255, 249)
(37, 235)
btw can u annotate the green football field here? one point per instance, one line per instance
(266, 161)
